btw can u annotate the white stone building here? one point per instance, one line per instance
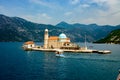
(57, 42)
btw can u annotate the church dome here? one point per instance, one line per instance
(62, 36)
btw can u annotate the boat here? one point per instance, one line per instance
(59, 53)
(104, 51)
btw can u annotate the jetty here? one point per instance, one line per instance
(68, 50)
(62, 42)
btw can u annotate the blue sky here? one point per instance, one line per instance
(101, 12)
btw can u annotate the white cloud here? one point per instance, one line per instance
(103, 18)
(49, 4)
(99, 1)
(39, 18)
(107, 12)
(112, 15)
(5, 11)
(88, 21)
(2, 9)
(42, 2)
(74, 1)
(114, 5)
(44, 15)
(89, 15)
(83, 11)
(111, 4)
(68, 13)
(85, 5)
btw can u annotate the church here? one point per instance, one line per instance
(58, 42)
(51, 43)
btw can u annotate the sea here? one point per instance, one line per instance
(17, 64)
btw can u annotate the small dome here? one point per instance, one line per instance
(62, 35)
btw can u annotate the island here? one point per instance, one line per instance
(62, 42)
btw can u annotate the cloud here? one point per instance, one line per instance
(53, 11)
(103, 18)
(42, 2)
(49, 4)
(111, 4)
(93, 11)
(88, 20)
(99, 1)
(68, 13)
(85, 5)
(114, 13)
(73, 2)
(98, 11)
(39, 18)
(2, 9)
(44, 15)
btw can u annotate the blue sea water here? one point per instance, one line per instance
(17, 64)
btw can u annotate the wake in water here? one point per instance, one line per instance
(83, 57)
(60, 55)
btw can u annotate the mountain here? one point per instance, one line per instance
(64, 25)
(113, 37)
(18, 29)
(92, 31)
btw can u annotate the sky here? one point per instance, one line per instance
(101, 12)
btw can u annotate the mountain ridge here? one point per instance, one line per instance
(19, 29)
(113, 37)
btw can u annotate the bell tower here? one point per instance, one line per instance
(46, 39)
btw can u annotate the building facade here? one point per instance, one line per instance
(29, 45)
(57, 42)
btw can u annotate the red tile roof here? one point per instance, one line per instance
(53, 38)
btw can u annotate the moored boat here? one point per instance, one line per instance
(104, 51)
(59, 52)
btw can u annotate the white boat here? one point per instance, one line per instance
(104, 51)
(59, 53)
